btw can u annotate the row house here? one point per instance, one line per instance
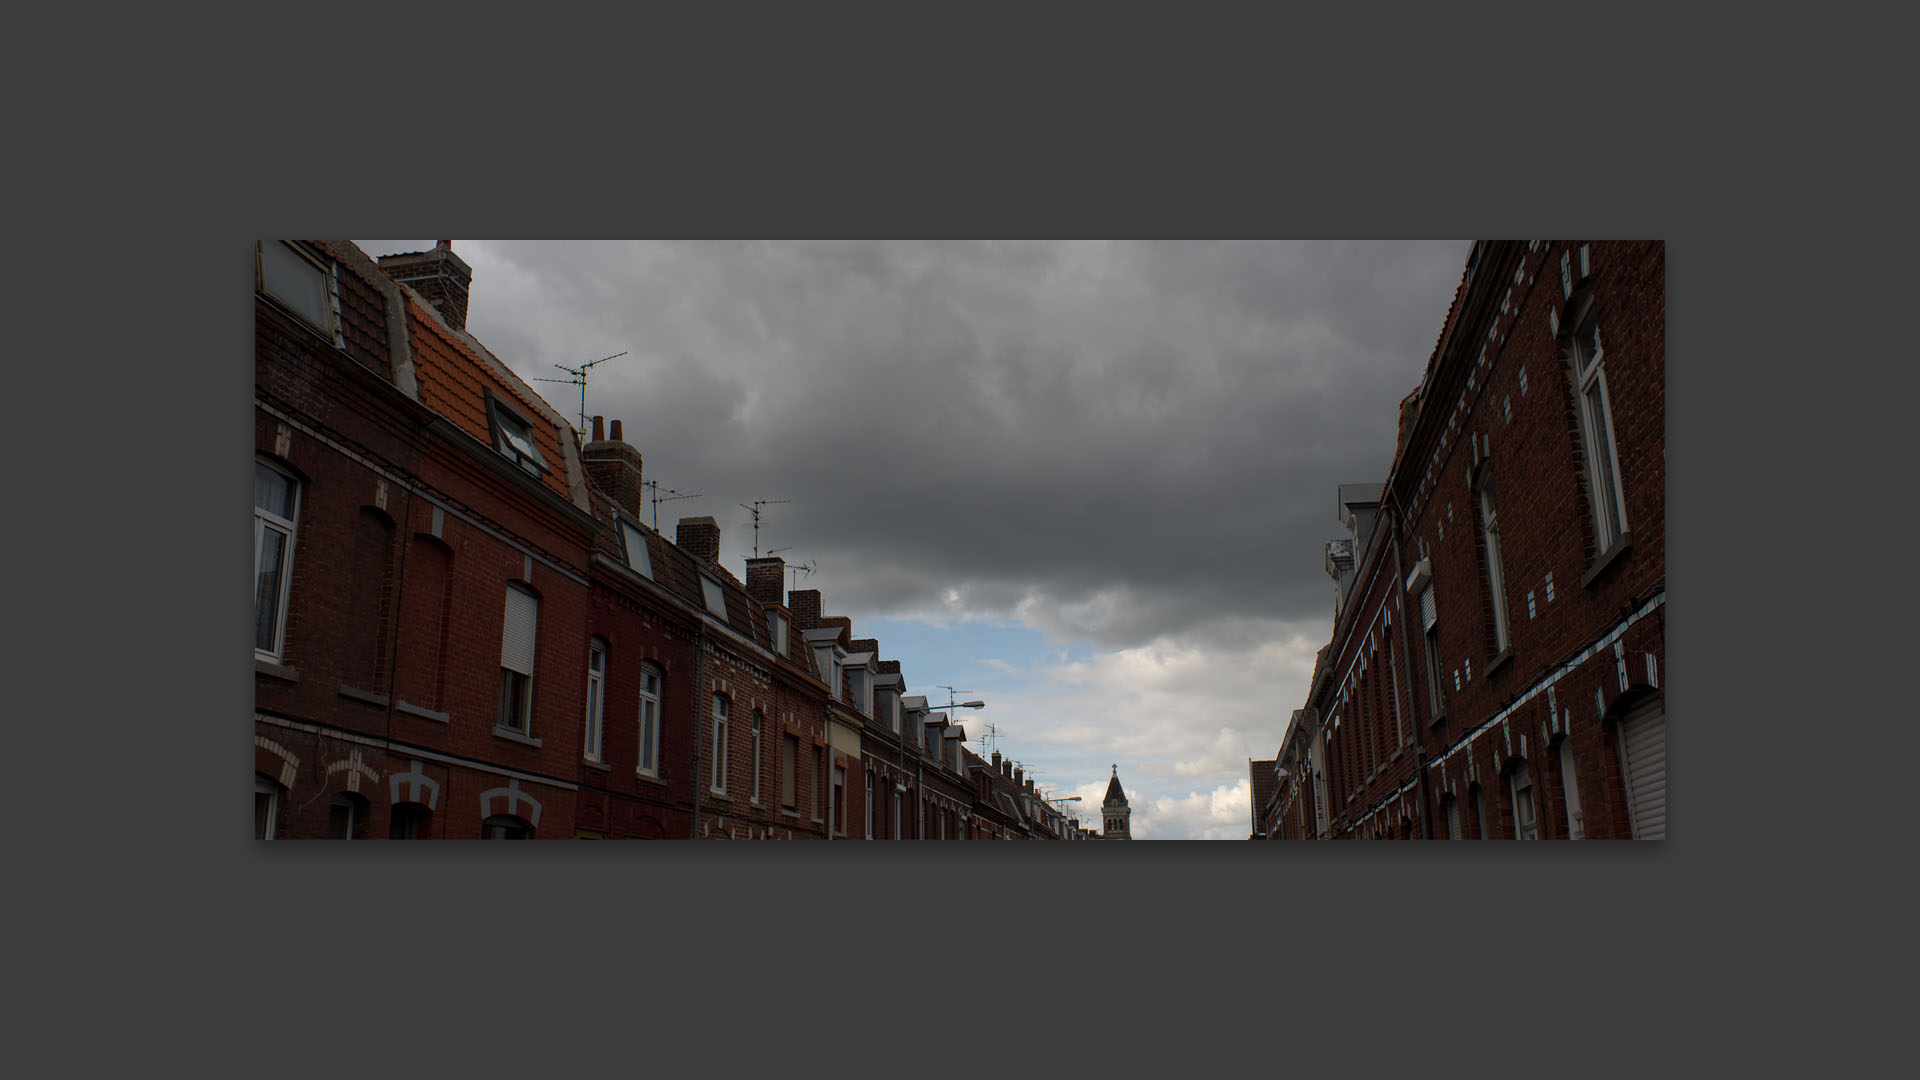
(1495, 669)
(422, 529)
(463, 627)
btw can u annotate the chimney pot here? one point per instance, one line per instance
(614, 434)
(443, 245)
(599, 432)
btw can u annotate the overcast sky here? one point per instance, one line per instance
(1089, 482)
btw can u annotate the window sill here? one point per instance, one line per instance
(649, 778)
(1612, 555)
(794, 814)
(404, 706)
(1502, 657)
(1437, 718)
(721, 795)
(597, 766)
(276, 669)
(365, 696)
(513, 736)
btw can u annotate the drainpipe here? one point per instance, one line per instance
(699, 737)
(1419, 748)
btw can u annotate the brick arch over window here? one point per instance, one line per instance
(275, 761)
(510, 801)
(414, 786)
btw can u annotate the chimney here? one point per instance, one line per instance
(996, 761)
(805, 605)
(865, 644)
(1409, 409)
(700, 538)
(613, 467)
(598, 434)
(1006, 767)
(1016, 777)
(765, 578)
(1029, 786)
(439, 276)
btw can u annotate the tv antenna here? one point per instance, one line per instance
(987, 740)
(755, 511)
(580, 379)
(669, 497)
(797, 569)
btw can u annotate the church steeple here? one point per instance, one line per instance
(1115, 812)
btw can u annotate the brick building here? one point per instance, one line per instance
(422, 528)
(1495, 666)
(464, 629)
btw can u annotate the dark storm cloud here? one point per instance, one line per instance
(1147, 434)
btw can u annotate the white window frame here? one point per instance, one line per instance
(328, 323)
(516, 687)
(269, 829)
(1570, 787)
(1595, 409)
(1496, 581)
(1430, 640)
(1520, 783)
(757, 728)
(648, 760)
(777, 629)
(1453, 819)
(596, 698)
(869, 774)
(719, 779)
(265, 521)
(513, 436)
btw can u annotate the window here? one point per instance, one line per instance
(1479, 812)
(505, 827)
(716, 597)
(649, 762)
(343, 814)
(719, 744)
(408, 822)
(266, 807)
(276, 508)
(513, 437)
(869, 805)
(1521, 785)
(756, 755)
(777, 626)
(839, 809)
(298, 280)
(516, 661)
(860, 690)
(789, 771)
(1596, 427)
(896, 813)
(1429, 620)
(1490, 535)
(596, 693)
(636, 544)
(1453, 818)
(819, 783)
(1570, 786)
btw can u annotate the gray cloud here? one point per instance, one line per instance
(1159, 424)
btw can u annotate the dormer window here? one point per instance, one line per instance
(777, 626)
(300, 281)
(513, 437)
(636, 544)
(716, 597)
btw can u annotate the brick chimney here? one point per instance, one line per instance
(613, 468)
(1006, 767)
(765, 578)
(996, 761)
(805, 605)
(865, 644)
(700, 538)
(440, 276)
(1016, 777)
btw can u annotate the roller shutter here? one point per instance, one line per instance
(1643, 750)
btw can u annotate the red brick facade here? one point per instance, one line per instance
(478, 636)
(1543, 409)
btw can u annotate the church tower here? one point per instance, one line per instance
(1115, 812)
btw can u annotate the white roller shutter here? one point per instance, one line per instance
(516, 641)
(1427, 613)
(1643, 747)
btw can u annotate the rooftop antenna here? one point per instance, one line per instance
(580, 379)
(755, 510)
(658, 499)
(987, 740)
(797, 569)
